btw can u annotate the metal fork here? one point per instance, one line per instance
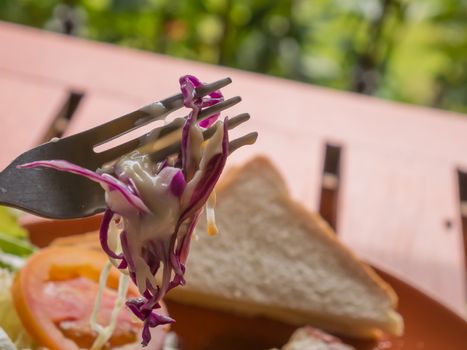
(59, 195)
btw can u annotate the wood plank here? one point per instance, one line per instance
(27, 110)
(289, 105)
(96, 109)
(401, 212)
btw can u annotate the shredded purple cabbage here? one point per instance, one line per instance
(188, 84)
(179, 191)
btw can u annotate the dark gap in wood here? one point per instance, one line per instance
(328, 203)
(462, 183)
(64, 115)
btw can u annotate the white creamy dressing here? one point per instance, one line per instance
(160, 223)
(196, 141)
(155, 108)
(211, 148)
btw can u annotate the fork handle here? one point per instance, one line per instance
(46, 192)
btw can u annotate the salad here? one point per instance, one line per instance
(152, 210)
(14, 250)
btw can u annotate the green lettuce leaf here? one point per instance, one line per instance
(9, 224)
(14, 243)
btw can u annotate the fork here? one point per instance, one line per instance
(60, 195)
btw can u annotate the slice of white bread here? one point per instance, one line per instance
(274, 258)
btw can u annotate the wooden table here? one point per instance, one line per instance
(398, 196)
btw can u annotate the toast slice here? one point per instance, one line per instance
(274, 258)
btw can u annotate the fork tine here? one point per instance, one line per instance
(232, 123)
(219, 107)
(178, 123)
(159, 135)
(247, 139)
(205, 113)
(167, 140)
(205, 89)
(144, 115)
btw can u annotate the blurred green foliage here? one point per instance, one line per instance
(408, 50)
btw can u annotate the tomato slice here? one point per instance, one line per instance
(54, 295)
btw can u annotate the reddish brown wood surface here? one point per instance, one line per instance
(27, 108)
(398, 197)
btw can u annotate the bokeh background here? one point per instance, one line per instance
(413, 51)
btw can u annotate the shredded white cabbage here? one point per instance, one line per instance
(104, 333)
(11, 260)
(5, 341)
(113, 240)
